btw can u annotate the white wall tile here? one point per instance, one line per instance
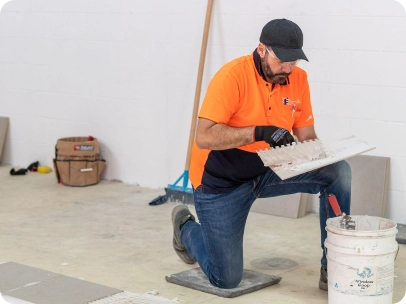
(350, 101)
(316, 98)
(328, 65)
(371, 68)
(24, 50)
(331, 128)
(24, 76)
(25, 24)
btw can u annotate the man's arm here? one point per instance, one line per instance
(305, 133)
(215, 136)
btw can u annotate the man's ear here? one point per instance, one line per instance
(261, 50)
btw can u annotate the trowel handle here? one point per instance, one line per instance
(334, 204)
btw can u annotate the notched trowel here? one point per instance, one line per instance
(346, 222)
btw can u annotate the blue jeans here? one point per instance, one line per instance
(216, 242)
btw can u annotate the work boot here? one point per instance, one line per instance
(323, 283)
(180, 215)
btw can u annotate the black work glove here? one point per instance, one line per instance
(274, 136)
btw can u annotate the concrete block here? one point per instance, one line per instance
(292, 205)
(196, 279)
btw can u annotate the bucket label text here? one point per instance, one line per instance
(366, 281)
(364, 284)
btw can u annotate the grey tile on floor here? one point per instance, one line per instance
(15, 275)
(62, 290)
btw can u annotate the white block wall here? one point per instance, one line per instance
(125, 72)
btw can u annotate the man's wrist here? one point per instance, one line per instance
(253, 134)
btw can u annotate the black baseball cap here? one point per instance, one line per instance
(285, 38)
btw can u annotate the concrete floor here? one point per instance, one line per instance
(108, 234)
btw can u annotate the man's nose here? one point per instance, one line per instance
(287, 68)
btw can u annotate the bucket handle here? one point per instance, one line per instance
(397, 252)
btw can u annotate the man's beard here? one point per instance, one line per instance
(269, 75)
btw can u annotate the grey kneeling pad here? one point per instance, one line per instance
(196, 279)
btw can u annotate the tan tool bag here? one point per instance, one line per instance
(77, 161)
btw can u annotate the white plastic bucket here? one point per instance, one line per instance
(361, 261)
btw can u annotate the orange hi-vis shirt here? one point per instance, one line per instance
(238, 96)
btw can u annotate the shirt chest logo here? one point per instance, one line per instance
(286, 101)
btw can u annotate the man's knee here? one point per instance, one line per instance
(341, 171)
(227, 282)
(344, 172)
(344, 168)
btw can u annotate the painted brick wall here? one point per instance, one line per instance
(125, 72)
